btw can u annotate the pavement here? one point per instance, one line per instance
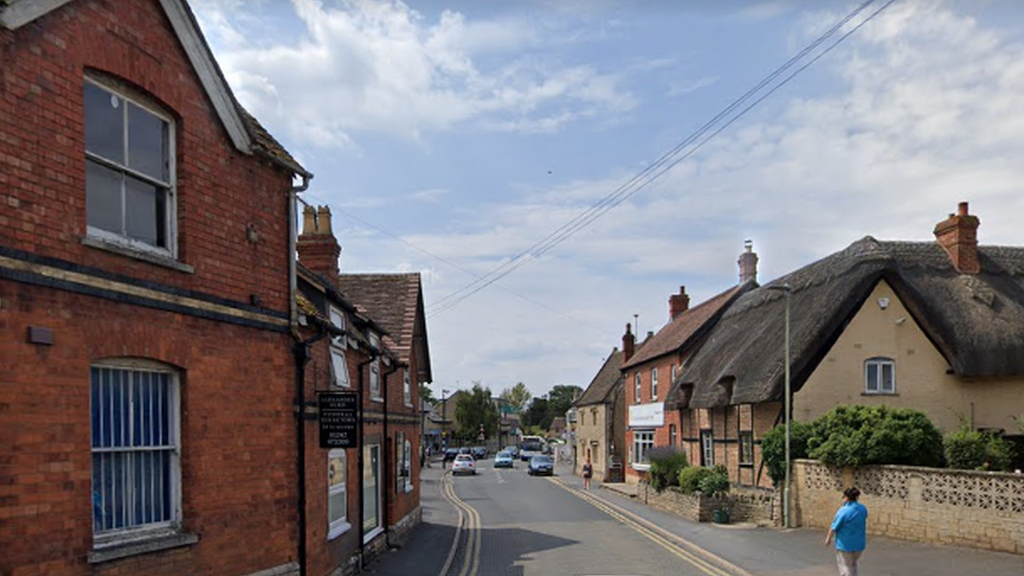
(759, 551)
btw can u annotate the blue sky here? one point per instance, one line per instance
(449, 137)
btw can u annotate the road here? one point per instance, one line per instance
(513, 524)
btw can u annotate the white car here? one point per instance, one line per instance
(463, 464)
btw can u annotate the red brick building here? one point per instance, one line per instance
(649, 375)
(147, 378)
(395, 301)
(361, 499)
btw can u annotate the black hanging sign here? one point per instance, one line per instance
(339, 419)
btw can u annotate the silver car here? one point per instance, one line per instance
(463, 464)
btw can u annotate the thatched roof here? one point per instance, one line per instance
(975, 321)
(601, 388)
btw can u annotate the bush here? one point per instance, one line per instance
(968, 449)
(690, 478)
(773, 448)
(666, 462)
(864, 435)
(715, 484)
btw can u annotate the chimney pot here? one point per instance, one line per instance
(958, 236)
(678, 303)
(628, 344)
(317, 247)
(748, 263)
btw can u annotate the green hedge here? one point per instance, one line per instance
(773, 448)
(666, 462)
(690, 478)
(968, 449)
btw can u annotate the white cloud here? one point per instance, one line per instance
(362, 66)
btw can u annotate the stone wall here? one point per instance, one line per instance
(933, 505)
(756, 506)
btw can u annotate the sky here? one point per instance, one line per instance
(453, 138)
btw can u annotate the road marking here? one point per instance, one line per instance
(474, 534)
(672, 542)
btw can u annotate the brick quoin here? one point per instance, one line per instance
(238, 433)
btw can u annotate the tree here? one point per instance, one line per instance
(516, 397)
(474, 410)
(426, 394)
(560, 399)
(537, 414)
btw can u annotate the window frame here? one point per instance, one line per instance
(673, 435)
(654, 383)
(337, 527)
(707, 448)
(375, 379)
(879, 365)
(169, 187)
(407, 387)
(636, 387)
(338, 362)
(172, 525)
(643, 441)
(746, 441)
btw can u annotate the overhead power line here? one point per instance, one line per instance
(662, 164)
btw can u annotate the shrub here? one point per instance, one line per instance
(864, 435)
(690, 478)
(968, 449)
(773, 448)
(666, 462)
(714, 484)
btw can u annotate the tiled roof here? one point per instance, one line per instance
(682, 332)
(393, 300)
(601, 387)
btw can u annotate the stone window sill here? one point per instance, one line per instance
(127, 252)
(113, 551)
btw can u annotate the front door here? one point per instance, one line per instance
(371, 490)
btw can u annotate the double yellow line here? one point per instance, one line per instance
(677, 546)
(469, 520)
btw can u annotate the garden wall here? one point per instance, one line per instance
(751, 505)
(933, 505)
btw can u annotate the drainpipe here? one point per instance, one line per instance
(301, 352)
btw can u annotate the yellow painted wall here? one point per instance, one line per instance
(921, 378)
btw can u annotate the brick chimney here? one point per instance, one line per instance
(748, 263)
(678, 303)
(958, 234)
(318, 248)
(628, 344)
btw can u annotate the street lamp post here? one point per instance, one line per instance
(444, 417)
(787, 407)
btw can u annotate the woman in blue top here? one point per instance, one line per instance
(850, 532)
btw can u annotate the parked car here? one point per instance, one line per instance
(450, 454)
(504, 459)
(541, 465)
(479, 452)
(465, 450)
(463, 464)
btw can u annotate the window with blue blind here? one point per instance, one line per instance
(135, 472)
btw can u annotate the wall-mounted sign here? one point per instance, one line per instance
(652, 414)
(339, 419)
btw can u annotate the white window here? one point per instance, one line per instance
(747, 448)
(375, 370)
(707, 448)
(408, 465)
(339, 367)
(654, 383)
(337, 496)
(880, 376)
(643, 440)
(129, 171)
(636, 388)
(136, 469)
(673, 373)
(672, 436)
(406, 387)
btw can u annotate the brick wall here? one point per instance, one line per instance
(937, 506)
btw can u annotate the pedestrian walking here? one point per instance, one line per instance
(588, 471)
(849, 529)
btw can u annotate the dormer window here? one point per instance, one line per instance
(129, 171)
